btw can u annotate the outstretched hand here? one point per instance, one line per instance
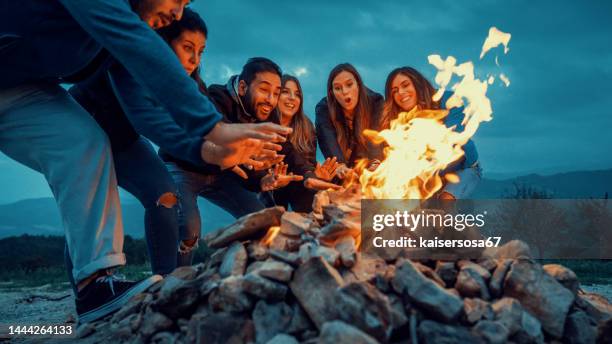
(328, 170)
(229, 145)
(318, 184)
(277, 177)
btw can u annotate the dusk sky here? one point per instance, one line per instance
(554, 117)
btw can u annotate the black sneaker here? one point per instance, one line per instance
(106, 294)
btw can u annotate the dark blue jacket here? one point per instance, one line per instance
(327, 136)
(52, 41)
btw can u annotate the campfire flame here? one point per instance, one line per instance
(270, 235)
(419, 145)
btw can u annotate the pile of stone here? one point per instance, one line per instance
(284, 277)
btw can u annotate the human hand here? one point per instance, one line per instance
(318, 184)
(277, 177)
(228, 145)
(328, 170)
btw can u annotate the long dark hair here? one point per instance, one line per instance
(361, 114)
(191, 21)
(424, 93)
(302, 138)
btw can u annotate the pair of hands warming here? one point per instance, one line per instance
(229, 145)
(278, 177)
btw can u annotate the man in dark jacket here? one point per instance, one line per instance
(45, 43)
(247, 98)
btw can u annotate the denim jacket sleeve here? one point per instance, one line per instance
(152, 120)
(326, 133)
(455, 118)
(114, 25)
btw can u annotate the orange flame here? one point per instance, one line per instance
(419, 145)
(270, 235)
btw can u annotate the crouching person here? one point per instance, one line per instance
(249, 97)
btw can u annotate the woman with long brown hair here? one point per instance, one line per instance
(341, 117)
(300, 151)
(406, 89)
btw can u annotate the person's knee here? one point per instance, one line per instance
(167, 200)
(188, 245)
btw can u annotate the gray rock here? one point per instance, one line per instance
(154, 322)
(447, 272)
(294, 224)
(367, 266)
(431, 332)
(220, 328)
(540, 294)
(497, 279)
(164, 338)
(513, 249)
(399, 317)
(329, 254)
(299, 321)
(290, 258)
(363, 306)
(314, 285)
(563, 275)
(476, 310)
(177, 298)
(185, 272)
(235, 261)
(257, 251)
(270, 319)
(595, 305)
(530, 331)
(283, 339)
(431, 274)
(425, 293)
(471, 284)
(348, 252)
(272, 269)
(338, 332)
(579, 329)
(477, 268)
(492, 332)
(245, 227)
(321, 199)
(230, 296)
(263, 288)
(133, 306)
(509, 312)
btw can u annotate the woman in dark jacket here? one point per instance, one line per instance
(300, 151)
(341, 117)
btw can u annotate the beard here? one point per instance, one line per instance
(250, 106)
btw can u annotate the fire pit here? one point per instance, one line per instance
(286, 277)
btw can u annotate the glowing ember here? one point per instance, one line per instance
(419, 145)
(270, 235)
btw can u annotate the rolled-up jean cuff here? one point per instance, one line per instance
(105, 262)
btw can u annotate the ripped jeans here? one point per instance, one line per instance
(142, 173)
(224, 190)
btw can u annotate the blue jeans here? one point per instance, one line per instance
(468, 181)
(142, 173)
(43, 128)
(224, 190)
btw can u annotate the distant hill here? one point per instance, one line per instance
(579, 184)
(40, 216)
